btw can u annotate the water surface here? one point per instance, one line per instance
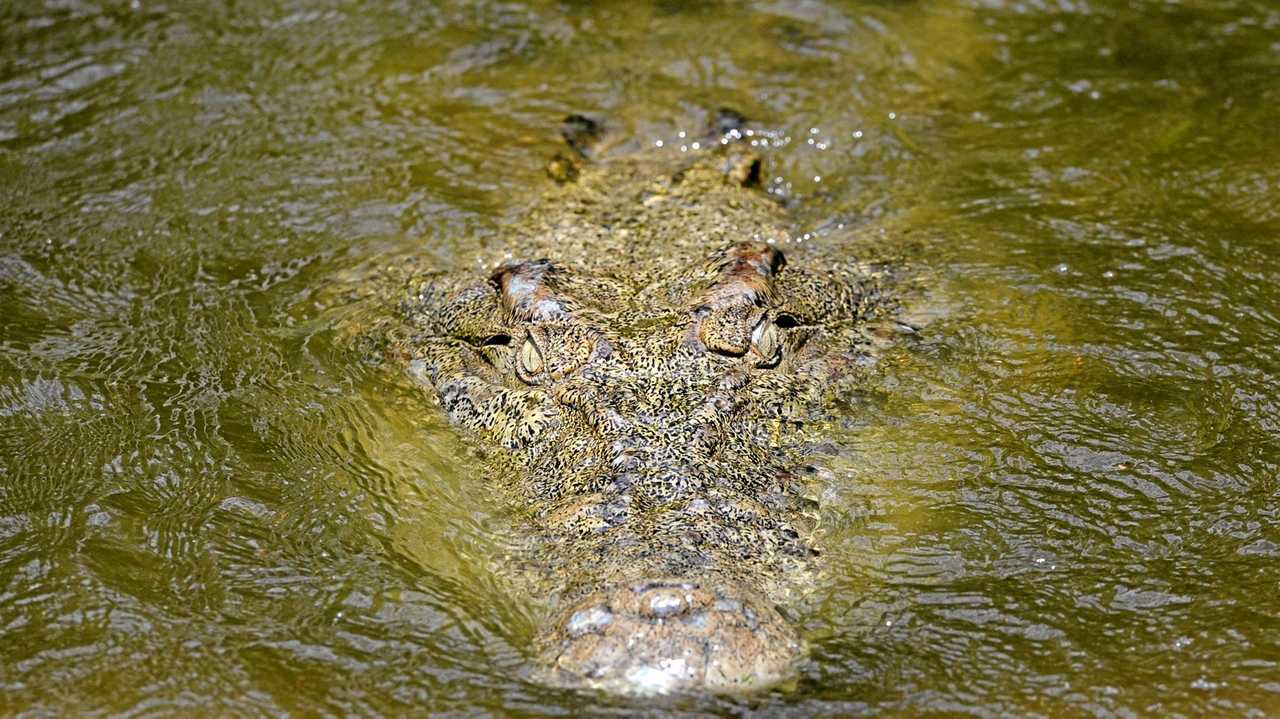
(1062, 497)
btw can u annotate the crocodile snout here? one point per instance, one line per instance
(658, 637)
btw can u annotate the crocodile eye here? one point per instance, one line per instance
(530, 359)
(766, 344)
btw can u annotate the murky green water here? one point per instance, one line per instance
(1063, 498)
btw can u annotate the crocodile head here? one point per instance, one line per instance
(643, 378)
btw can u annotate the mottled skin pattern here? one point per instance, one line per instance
(644, 356)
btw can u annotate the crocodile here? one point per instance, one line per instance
(643, 353)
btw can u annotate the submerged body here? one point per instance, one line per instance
(642, 365)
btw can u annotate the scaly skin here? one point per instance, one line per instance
(639, 371)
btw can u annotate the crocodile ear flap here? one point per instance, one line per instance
(528, 291)
(733, 307)
(745, 272)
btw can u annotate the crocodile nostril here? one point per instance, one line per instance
(588, 621)
(662, 603)
(667, 635)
